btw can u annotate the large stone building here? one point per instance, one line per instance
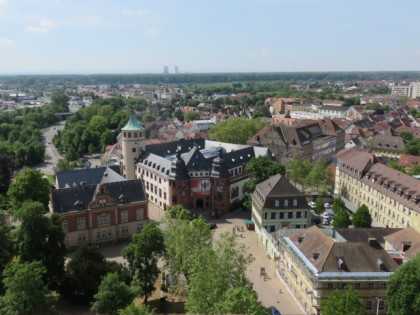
(310, 140)
(98, 205)
(314, 262)
(393, 198)
(277, 204)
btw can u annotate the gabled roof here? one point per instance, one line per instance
(278, 186)
(408, 236)
(356, 158)
(363, 234)
(90, 176)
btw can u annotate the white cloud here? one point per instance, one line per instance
(44, 26)
(6, 42)
(152, 32)
(3, 3)
(134, 12)
(265, 53)
(418, 52)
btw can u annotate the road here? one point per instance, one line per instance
(51, 154)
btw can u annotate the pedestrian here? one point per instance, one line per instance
(241, 235)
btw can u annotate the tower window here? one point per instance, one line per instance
(133, 149)
(135, 134)
(128, 134)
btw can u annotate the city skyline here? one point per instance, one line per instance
(84, 37)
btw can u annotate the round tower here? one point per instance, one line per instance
(133, 142)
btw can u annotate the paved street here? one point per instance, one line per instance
(51, 154)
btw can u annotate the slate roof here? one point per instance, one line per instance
(170, 148)
(155, 163)
(90, 176)
(68, 199)
(383, 142)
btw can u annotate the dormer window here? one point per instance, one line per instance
(276, 204)
(294, 203)
(301, 238)
(286, 203)
(316, 255)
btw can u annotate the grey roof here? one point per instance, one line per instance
(363, 234)
(90, 176)
(155, 164)
(170, 148)
(80, 197)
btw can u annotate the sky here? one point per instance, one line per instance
(207, 36)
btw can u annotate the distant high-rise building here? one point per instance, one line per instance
(176, 70)
(165, 69)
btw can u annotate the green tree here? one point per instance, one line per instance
(318, 177)
(26, 293)
(257, 114)
(178, 212)
(362, 217)
(113, 295)
(191, 115)
(319, 205)
(143, 255)
(396, 166)
(83, 275)
(22, 188)
(6, 245)
(64, 165)
(338, 204)
(6, 172)
(403, 288)
(413, 147)
(183, 238)
(414, 170)
(241, 300)
(214, 272)
(41, 238)
(342, 302)
(262, 168)
(137, 310)
(60, 102)
(237, 130)
(298, 170)
(341, 219)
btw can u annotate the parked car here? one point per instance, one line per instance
(331, 215)
(326, 222)
(273, 310)
(325, 215)
(327, 205)
(311, 204)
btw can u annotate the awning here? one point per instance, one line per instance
(249, 222)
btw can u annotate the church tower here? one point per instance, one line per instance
(133, 141)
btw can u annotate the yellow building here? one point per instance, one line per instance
(393, 198)
(313, 264)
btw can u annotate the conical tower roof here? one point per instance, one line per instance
(133, 123)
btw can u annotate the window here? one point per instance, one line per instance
(276, 204)
(124, 230)
(286, 203)
(140, 214)
(174, 199)
(81, 238)
(102, 202)
(369, 305)
(381, 305)
(265, 215)
(133, 150)
(383, 285)
(370, 285)
(81, 223)
(65, 225)
(357, 285)
(135, 134)
(124, 216)
(103, 219)
(294, 203)
(298, 214)
(273, 215)
(290, 215)
(281, 215)
(330, 285)
(343, 285)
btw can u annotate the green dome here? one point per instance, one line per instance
(133, 124)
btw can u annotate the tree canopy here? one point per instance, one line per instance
(298, 170)
(362, 217)
(113, 295)
(26, 293)
(142, 255)
(342, 302)
(22, 188)
(237, 130)
(341, 219)
(403, 288)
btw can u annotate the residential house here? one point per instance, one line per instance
(387, 146)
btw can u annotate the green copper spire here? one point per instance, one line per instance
(133, 123)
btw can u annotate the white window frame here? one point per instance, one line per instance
(103, 219)
(124, 216)
(81, 223)
(65, 225)
(140, 214)
(124, 230)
